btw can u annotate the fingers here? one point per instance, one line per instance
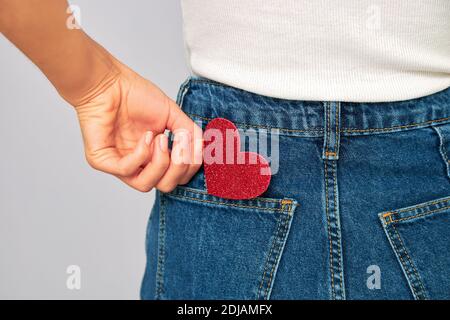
(151, 164)
(178, 119)
(110, 161)
(182, 126)
(173, 167)
(180, 158)
(196, 156)
(152, 173)
(186, 155)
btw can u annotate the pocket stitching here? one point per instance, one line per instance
(278, 242)
(387, 216)
(285, 203)
(423, 205)
(284, 222)
(389, 224)
(418, 215)
(414, 270)
(267, 263)
(277, 259)
(201, 192)
(226, 204)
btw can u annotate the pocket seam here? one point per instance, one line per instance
(278, 251)
(288, 207)
(418, 215)
(409, 270)
(224, 203)
(406, 268)
(387, 217)
(390, 220)
(285, 204)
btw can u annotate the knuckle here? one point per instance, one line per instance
(186, 180)
(143, 188)
(166, 187)
(126, 170)
(93, 163)
(123, 171)
(170, 103)
(164, 163)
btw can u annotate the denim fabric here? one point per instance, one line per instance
(362, 192)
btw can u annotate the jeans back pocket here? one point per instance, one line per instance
(420, 238)
(213, 248)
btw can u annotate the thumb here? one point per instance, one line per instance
(110, 161)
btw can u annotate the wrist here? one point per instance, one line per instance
(73, 62)
(89, 71)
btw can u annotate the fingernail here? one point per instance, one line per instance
(163, 143)
(148, 137)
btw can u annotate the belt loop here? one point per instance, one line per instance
(332, 118)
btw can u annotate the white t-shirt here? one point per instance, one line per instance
(340, 50)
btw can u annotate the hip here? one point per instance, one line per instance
(358, 206)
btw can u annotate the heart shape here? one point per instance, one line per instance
(229, 172)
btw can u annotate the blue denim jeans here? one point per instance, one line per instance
(359, 207)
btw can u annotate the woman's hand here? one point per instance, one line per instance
(122, 116)
(123, 128)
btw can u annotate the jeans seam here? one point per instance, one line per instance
(227, 204)
(423, 205)
(320, 129)
(411, 125)
(334, 231)
(333, 294)
(339, 238)
(267, 263)
(211, 82)
(343, 130)
(331, 139)
(182, 92)
(161, 249)
(278, 256)
(338, 114)
(442, 151)
(201, 192)
(328, 109)
(418, 215)
(402, 262)
(240, 124)
(415, 276)
(389, 214)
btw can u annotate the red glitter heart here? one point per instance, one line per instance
(229, 172)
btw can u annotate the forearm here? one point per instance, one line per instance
(73, 62)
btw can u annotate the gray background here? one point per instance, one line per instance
(55, 211)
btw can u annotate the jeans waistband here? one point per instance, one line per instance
(205, 99)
